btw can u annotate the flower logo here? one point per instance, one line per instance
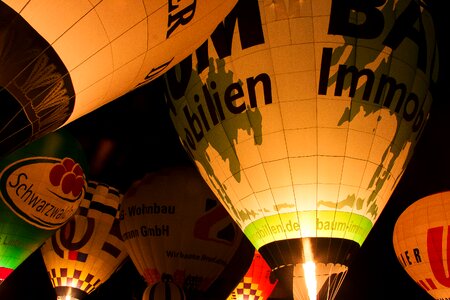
(69, 175)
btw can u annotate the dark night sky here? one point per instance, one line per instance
(143, 140)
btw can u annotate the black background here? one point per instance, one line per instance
(137, 130)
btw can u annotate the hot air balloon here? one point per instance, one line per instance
(302, 116)
(165, 289)
(87, 250)
(257, 284)
(174, 227)
(61, 60)
(232, 274)
(41, 187)
(421, 243)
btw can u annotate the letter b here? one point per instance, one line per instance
(319, 224)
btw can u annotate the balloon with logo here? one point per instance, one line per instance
(62, 60)
(421, 242)
(41, 187)
(257, 283)
(174, 227)
(87, 250)
(302, 116)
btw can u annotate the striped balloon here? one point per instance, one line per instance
(164, 290)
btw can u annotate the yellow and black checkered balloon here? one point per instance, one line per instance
(84, 253)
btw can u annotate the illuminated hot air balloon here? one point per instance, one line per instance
(61, 60)
(41, 187)
(173, 226)
(421, 242)
(234, 271)
(302, 116)
(165, 289)
(87, 250)
(257, 283)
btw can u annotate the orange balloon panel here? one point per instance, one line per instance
(60, 60)
(422, 243)
(173, 225)
(257, 283)
(88, 249)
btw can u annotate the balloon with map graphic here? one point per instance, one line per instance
(422, 243)
(41, 187)
(257, 283)
(62, 60)
(302, 117)
(88, 249)
(174, 227)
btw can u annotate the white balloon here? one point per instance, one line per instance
(63, 59)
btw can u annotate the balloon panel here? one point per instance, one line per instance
(41, 187)
(302, 117)
(61, 60)
(174, 225)
(421, 243)
(87, 250)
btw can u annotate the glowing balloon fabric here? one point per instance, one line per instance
(174, 226)
(61, 60)
(87, 250)
(421, 243)
(257, 283)
(41, 187)
(302, 117)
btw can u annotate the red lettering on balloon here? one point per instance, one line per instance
(436, 254)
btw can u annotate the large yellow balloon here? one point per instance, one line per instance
(84, 253)
(174, 227)
(421, 242)
(302, 117)
(59, 60)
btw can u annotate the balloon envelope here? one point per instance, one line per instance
(86, 251)
(165, 289)
(257, 283)
(302, 117)
(174, 226)
(421, 243)
(41, 187)
(61, 60)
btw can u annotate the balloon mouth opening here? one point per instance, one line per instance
(69, 293)
(313, 268)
